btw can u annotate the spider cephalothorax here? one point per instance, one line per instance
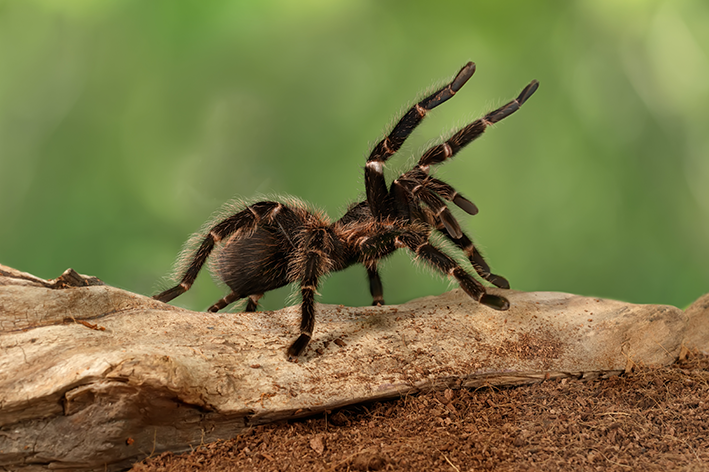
(269, 244)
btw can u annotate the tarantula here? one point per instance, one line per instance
(269, 244)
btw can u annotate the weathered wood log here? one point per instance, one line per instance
(698, 325)
(94, 377)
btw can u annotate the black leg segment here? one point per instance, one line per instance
(375, 286)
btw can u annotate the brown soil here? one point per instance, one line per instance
(650, 419)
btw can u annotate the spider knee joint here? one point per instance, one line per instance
(421, 110)
(376, 166)
(215, 236)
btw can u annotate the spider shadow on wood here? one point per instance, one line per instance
(269, 244)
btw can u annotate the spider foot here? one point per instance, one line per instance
(168, 295)
(297, 348)
(378, 303)
(252, 304)
(493, 301)
(250, 307)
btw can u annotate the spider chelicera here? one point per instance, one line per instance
(269, 244)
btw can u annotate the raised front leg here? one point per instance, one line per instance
(377, 193)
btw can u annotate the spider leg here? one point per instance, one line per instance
(310, 265)
(251, 305)
(420, 246)
(377, 192)
(307, 321)
(231, 298)
(476, 259)
(451, 194)
(243, 220)
(466, 245)
(466, 135)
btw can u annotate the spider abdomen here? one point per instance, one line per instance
(253, 264)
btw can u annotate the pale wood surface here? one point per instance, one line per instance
(94, 376)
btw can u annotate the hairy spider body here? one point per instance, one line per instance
(269, 244)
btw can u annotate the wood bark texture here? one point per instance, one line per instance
(94, 377)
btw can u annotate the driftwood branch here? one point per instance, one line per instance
(93, 377)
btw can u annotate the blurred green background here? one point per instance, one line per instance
(125, 124)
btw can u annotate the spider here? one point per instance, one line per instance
(269, 244)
